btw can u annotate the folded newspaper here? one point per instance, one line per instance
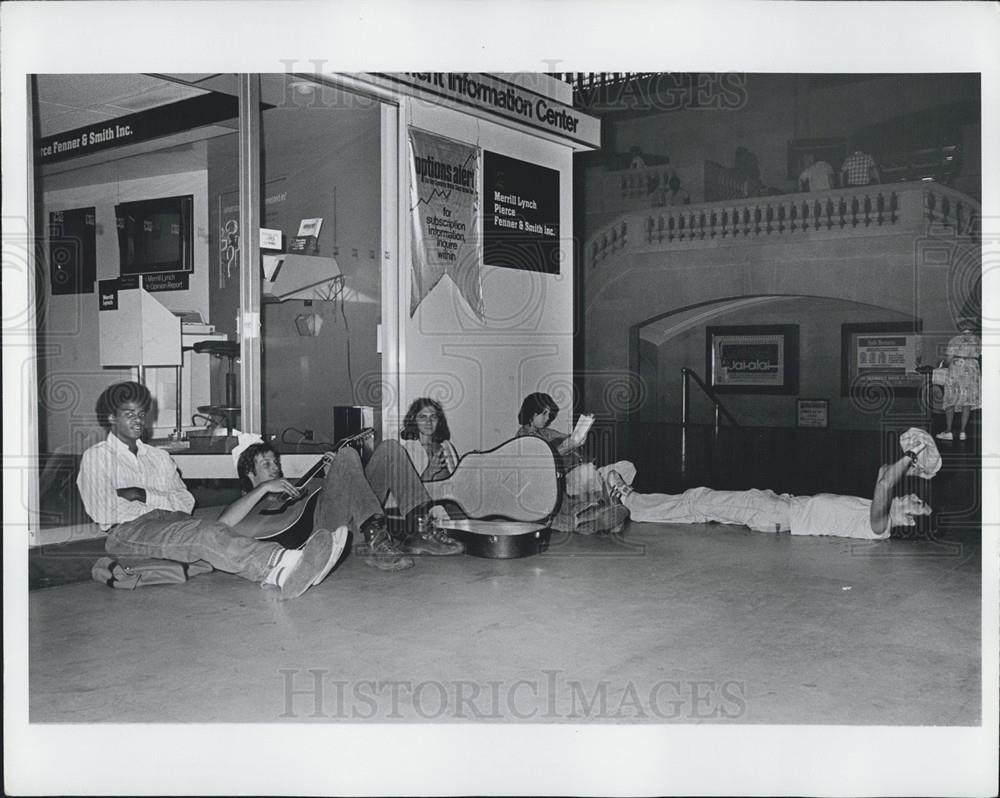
(583, 425)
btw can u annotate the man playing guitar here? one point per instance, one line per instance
(352, 495)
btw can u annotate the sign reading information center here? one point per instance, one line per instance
(506, 99)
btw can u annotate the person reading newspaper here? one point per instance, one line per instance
(589, 508)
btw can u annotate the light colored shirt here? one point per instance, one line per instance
(819, 176)
(830, 514)
(964, 345)
(109, 465)
(420, 458)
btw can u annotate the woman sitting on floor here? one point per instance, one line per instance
(427, 439)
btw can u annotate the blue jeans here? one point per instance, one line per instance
(171, 535)
(352, 494)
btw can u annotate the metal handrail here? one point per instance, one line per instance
(686, 376)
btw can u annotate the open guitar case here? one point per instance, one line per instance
(502, 537)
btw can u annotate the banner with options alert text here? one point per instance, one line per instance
(444, 204)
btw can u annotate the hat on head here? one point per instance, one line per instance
(919, 441)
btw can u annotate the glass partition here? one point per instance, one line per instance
(158, 298)
(131, 249)
(321, 290)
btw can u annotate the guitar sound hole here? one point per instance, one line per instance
(278, 509)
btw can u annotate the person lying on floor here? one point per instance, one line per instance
(767, 511)
(135, 494)
(353, 496)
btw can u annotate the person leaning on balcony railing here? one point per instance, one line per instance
(673, 194)
(815, 175)
(859, 169)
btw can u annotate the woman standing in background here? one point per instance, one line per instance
(962, 389)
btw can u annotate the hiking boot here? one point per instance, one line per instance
(381, 550)
(441, 536)
(609, 518)
(430, 540)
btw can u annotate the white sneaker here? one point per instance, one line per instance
(944, 436)
(339, 542)
(287, 562)
(961, 436)
(295, 575)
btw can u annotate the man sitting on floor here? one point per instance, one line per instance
(353, 495)
(823, 514)
(134, 493)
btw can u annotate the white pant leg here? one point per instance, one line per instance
(761, 510)
(662, 507)
(757, 509)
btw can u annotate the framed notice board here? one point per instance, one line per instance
(753, 358)
(812, 413)
(884, 354)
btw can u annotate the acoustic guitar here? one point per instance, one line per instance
(288, 520)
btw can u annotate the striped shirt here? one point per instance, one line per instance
(109, 465)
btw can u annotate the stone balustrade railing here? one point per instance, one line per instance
(866, 210)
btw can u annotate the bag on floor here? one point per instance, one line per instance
(128, 574)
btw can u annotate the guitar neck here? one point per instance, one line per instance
(307, 477)
(311, 474)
